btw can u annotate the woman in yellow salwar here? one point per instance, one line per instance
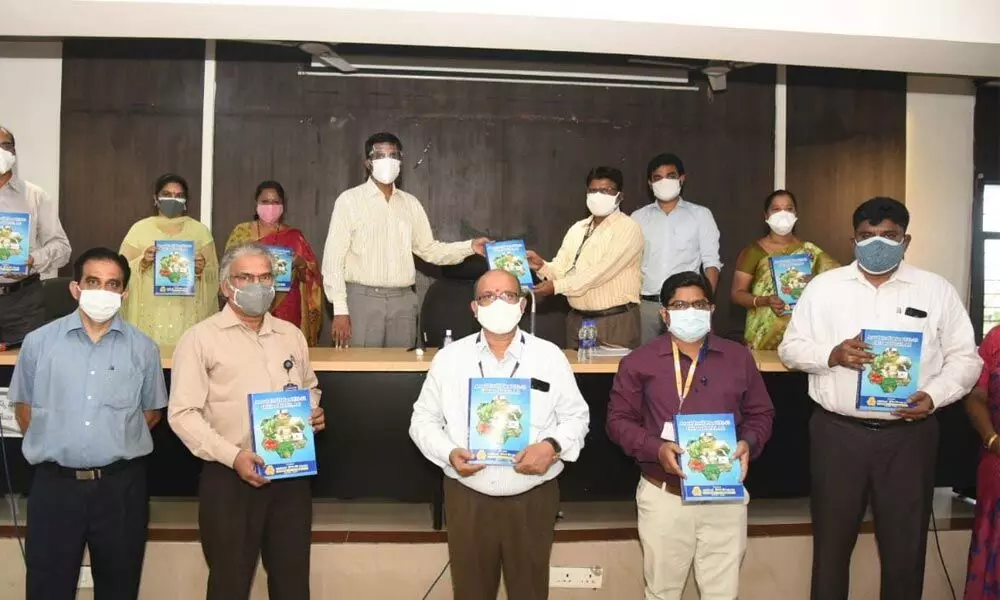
(164, 318)
(303, 304)
(753, 286)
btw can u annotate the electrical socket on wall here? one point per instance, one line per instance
(576, 577)
(86, 580)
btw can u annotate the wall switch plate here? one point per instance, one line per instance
(86, 581)
(576, 577)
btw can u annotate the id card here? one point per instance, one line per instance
(668, 432)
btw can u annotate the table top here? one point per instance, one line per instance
(399, 360)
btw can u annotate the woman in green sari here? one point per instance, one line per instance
(165, 318)
(753, 286)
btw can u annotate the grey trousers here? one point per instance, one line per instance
(652, 324)
(382, 317)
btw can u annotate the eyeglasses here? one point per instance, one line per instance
(697, 305)
(376, 155)
(892, 235)
(608, 190)
(245, 279)
(8, 146)
(111, 285)
(487, 298)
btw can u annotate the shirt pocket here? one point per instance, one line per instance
(543, 415)
(122, 389)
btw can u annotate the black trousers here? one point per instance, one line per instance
(240, 523)
(893, 469)
(109, 516)
(21, 312)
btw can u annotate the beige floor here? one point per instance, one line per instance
(775, 567)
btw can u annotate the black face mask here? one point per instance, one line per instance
(171, 207)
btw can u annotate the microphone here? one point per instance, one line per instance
(531, 292)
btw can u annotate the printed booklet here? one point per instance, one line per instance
(499, 419)
(281, 434)
(711, 473)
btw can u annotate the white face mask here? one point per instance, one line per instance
(385, 170)
(782, 222)
(100, 305)
(601, 205)
(7, 160)
(666, 190)
(690, 325)
(500, 317)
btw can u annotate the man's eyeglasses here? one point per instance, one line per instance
(376, 155)
(111, 285)
(697, 305)
(245, 279)
(487, 298)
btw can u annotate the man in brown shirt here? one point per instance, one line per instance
(216, 365)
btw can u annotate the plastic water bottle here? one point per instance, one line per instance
(447, 338)
(585, 341)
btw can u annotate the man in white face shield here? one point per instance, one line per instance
(597, 267)
(33, 245)
(679, 236)
(368, 270)
(499, 412)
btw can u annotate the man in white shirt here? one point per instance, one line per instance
(22, 307)
(857, 455)
(679, 236)
(368, 270)
(501, 514)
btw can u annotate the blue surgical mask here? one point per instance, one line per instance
(878, 255)
(690, 325)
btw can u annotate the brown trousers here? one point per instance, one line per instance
(240, 523)
(623, 329)
(490, 533)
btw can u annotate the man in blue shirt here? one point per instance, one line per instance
(88, 388)
(679, 236)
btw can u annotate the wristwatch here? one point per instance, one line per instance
(555, 445)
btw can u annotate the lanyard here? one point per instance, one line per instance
(517, 365)
(683, 392)
(586, 236)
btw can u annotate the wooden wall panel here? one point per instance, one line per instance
(131, 110)
(846, 144)
(502, 159)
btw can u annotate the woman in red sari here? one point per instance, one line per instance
(983, 406)
(303, 305)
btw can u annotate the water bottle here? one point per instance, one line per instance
(585, 342)
(447, 338)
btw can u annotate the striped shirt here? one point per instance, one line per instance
(440, 421)
(49, 245)
(372, 242)
(607, 271)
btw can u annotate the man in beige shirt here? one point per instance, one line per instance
(597, 267)
(22, 306)
(216, 365)
(368, 270)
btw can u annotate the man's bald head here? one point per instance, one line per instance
(497, 280)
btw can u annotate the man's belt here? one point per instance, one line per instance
(10, 288)
(651, 298)
(666, 486)
(872, 424)
(88, 474)
(614, 310)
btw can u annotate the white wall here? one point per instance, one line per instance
(910, 36)
(939, 176)
(30, 101)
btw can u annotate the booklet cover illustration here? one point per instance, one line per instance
(511, 256)
(282, 257)
(790, 275)
(499, 419)
(282, 436)
(174, 264)
(892, 377)
(15, 236)
(709, 441)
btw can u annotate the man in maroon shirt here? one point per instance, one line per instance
(717, 376)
